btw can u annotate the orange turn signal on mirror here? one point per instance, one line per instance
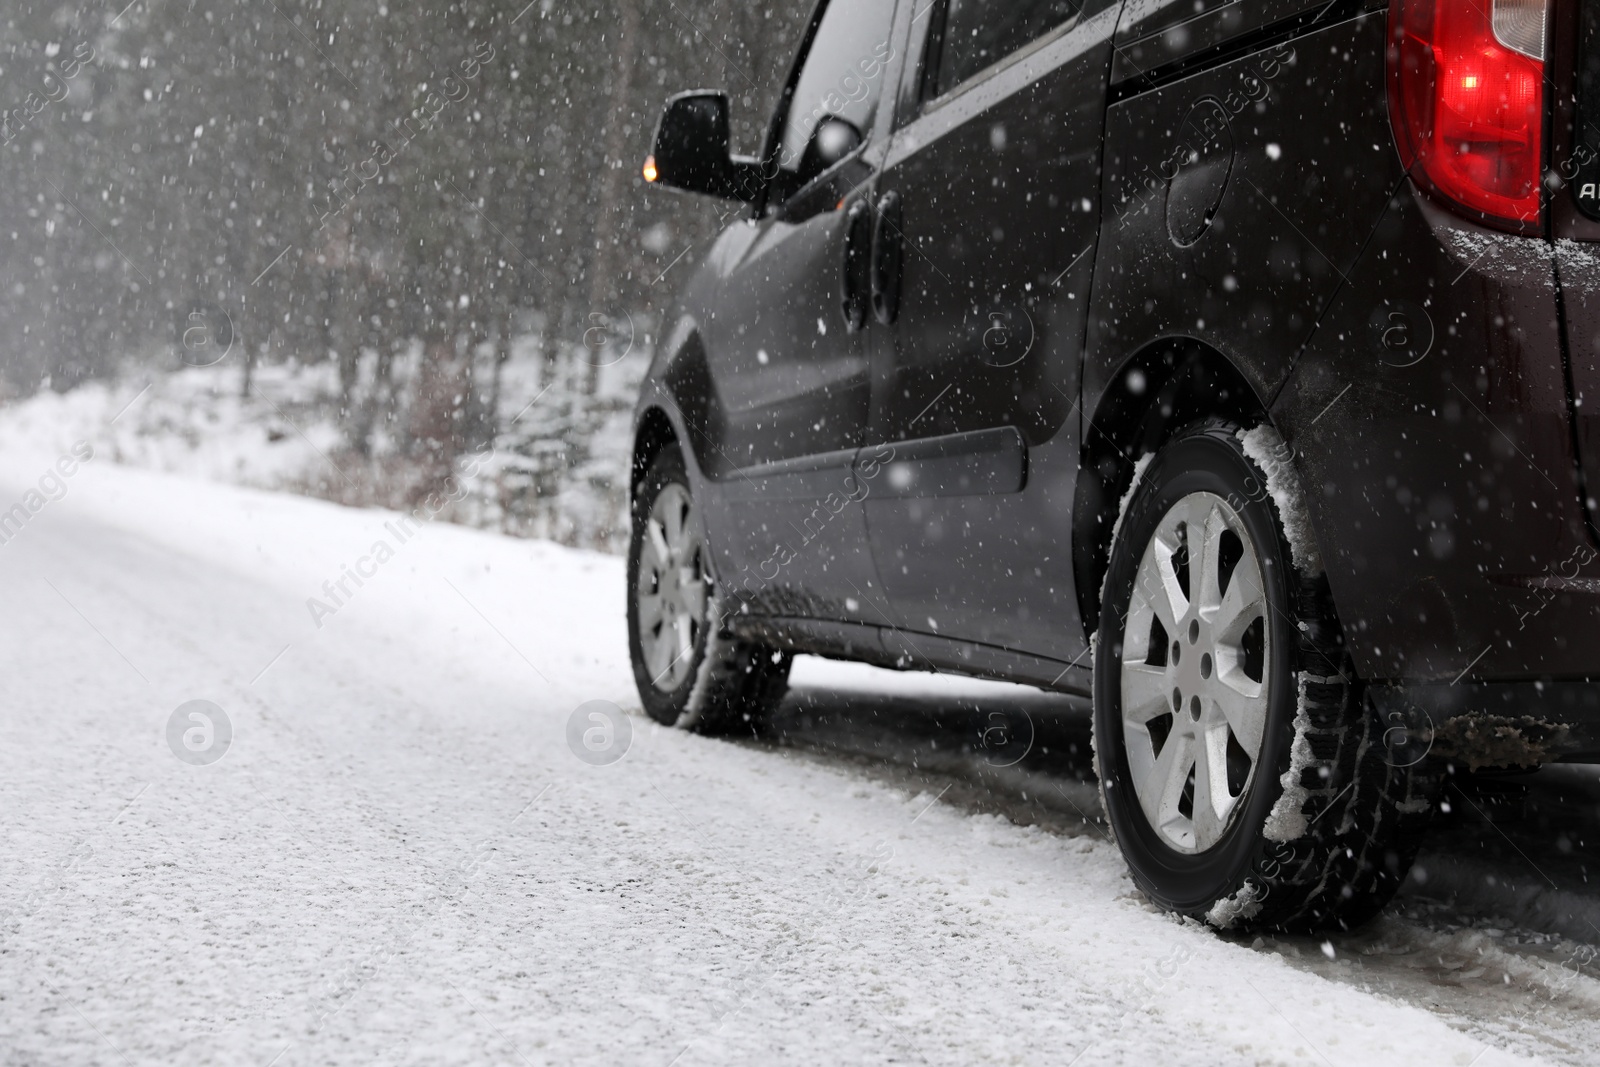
(650, 172)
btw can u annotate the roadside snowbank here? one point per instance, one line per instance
(556, 469)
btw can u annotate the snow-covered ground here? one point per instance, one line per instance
(556, 469)
(400, 856)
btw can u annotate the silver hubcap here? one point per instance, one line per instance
(672, 588)
(1196, 659)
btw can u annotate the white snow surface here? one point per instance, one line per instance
(1287, 820)
(1228, 911)
(1265, 446)
(399, 859)
(288, 435)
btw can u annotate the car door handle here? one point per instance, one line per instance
(887, 255)
(853, 277)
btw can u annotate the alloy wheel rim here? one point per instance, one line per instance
(671, 588)
(1196, 666)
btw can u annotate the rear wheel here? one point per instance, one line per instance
(690, 670)
(1243, 773)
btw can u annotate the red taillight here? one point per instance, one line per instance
(1466, 96)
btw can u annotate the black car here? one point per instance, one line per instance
(1235, 363)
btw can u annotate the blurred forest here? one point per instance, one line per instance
(401, 194)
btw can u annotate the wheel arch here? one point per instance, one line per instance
(653, 434)
(678, 406)
(1154, 393)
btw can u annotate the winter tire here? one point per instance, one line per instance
(1241, 769)
(691, 672)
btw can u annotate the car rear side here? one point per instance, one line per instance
(1233, 364)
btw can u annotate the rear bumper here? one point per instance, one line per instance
(1430, 420)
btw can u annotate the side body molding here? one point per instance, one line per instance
(973, 463)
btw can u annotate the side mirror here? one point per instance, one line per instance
(692, 150)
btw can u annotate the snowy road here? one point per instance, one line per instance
(400, 859)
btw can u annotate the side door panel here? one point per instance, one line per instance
(998, 184)
(1234, 210)
(791, 378)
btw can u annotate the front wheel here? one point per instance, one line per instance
(1243, 774)
(690, 670)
